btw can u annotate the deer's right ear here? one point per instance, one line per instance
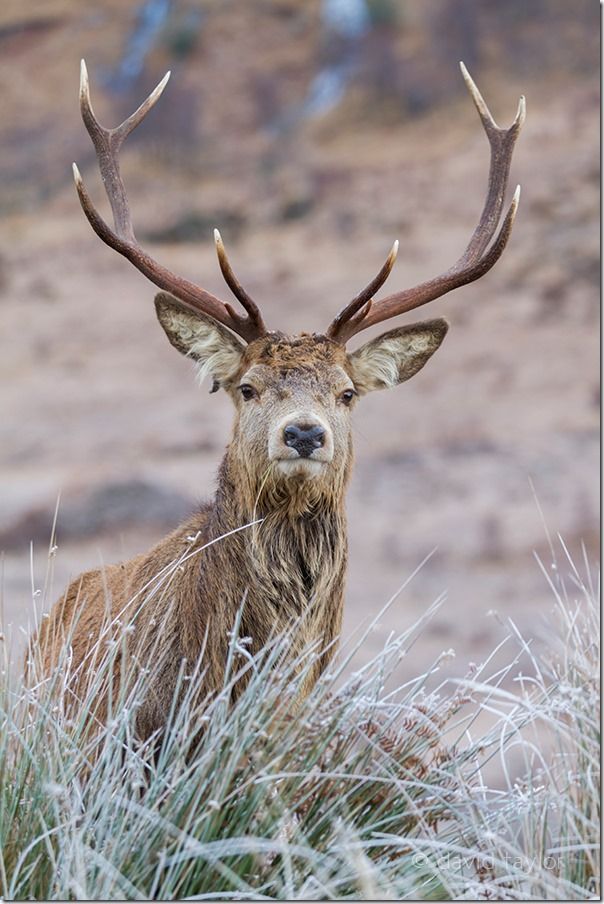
(216, 352)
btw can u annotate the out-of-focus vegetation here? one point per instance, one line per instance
(356, 793)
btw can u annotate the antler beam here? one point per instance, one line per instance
(107, 144)
(476, 259)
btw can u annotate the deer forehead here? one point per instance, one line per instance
(291, 362)
(276, 350)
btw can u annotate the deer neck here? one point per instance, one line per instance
(244, 495)
(294, 551)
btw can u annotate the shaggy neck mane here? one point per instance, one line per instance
(297, 550)
(246, 495)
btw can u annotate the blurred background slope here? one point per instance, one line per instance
(312, 134)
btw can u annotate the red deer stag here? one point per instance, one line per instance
(287, 465)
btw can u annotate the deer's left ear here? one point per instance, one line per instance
(395, 356)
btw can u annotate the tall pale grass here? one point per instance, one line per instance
(359, 792)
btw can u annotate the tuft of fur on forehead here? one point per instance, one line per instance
(308, 349)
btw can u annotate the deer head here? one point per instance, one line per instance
(293, 395)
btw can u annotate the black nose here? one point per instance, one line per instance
(304, 438)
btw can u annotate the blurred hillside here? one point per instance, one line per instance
(250, 76)
(313, 134)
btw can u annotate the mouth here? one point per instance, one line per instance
(300, 467)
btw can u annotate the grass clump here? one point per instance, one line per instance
(357, 792)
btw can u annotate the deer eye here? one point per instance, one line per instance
(248, 392)
(347, 396)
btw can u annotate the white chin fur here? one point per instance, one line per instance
(300, 467)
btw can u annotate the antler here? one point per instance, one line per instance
(363, 312)
(107, 143)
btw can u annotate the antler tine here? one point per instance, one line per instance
(476, 259)
(121, 238)
(235, 286)
(502, 143)
(358, 308)
(107, 143)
